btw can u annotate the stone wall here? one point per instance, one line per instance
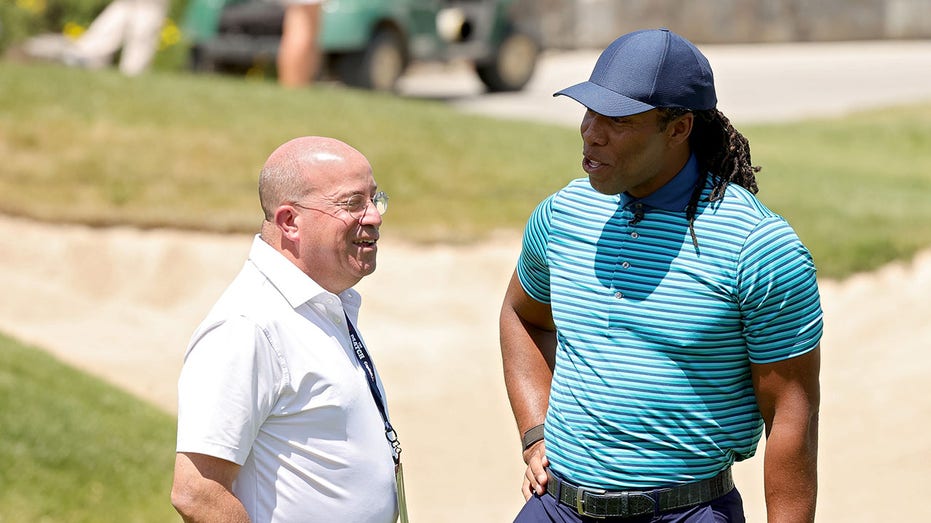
(595, 23)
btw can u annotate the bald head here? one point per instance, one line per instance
(305, 187)
(299, 167)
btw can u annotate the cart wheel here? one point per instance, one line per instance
(512, 65)
(198, 61)
(378, 67)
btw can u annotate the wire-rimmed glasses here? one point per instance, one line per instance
(357, 204)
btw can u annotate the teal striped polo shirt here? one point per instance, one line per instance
(655, 336)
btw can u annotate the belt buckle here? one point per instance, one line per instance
(580, 501)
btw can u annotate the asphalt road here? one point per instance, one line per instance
(755, 82)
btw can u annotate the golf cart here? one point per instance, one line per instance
(369, 43)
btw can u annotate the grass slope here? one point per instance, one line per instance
(74, 449)
(856, 189)
(184, 151)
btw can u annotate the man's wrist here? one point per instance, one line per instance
(533, 435)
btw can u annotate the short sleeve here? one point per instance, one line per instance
(532, 266)
(778, 294)
(229, 384)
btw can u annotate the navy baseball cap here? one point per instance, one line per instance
(644, 70)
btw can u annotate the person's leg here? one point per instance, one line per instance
(143, 34)
(298, 55)
(545, 509)
(103, 38)
(729, 507)
(726, 509)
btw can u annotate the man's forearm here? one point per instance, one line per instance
(527, 371)
(790, 474)
(528, 353)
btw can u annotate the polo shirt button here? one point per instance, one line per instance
(635, 235)
(626, 265)
(618, 295)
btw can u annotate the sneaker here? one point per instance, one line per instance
(51, 46)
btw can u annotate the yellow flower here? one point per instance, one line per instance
(73, 30)
(170, 35)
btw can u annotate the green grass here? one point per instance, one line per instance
(856, 189)
(74, 449)
(184, 151)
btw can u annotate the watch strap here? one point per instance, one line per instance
(533, 435)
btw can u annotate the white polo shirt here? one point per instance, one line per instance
(269, 382)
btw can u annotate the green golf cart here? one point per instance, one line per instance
(369, 43)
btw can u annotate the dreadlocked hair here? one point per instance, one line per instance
(722, 152)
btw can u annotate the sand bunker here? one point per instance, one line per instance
(121, 304)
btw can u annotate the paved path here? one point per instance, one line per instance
(755, 83)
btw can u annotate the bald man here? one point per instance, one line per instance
(281, 415)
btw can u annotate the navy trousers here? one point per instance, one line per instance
(546, 509)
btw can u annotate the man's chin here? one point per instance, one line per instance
(364, 268)
(603, 188)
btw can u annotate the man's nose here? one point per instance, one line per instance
(370, 215)
(593, 129)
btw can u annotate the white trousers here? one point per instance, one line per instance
(133, 25)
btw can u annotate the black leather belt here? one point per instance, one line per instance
(597, 503)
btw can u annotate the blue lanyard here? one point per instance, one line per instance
(362, 355)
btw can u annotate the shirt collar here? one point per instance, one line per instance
(293, 284)
(675, 195)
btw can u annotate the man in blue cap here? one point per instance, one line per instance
(661, 318)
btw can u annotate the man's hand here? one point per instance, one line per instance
(535, 475)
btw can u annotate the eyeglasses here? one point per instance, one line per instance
(358, 204)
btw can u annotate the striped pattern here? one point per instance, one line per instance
(652, 382)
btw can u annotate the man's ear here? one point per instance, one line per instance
(680, 129)
(286, 220)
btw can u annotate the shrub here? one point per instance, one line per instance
(21, 19)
